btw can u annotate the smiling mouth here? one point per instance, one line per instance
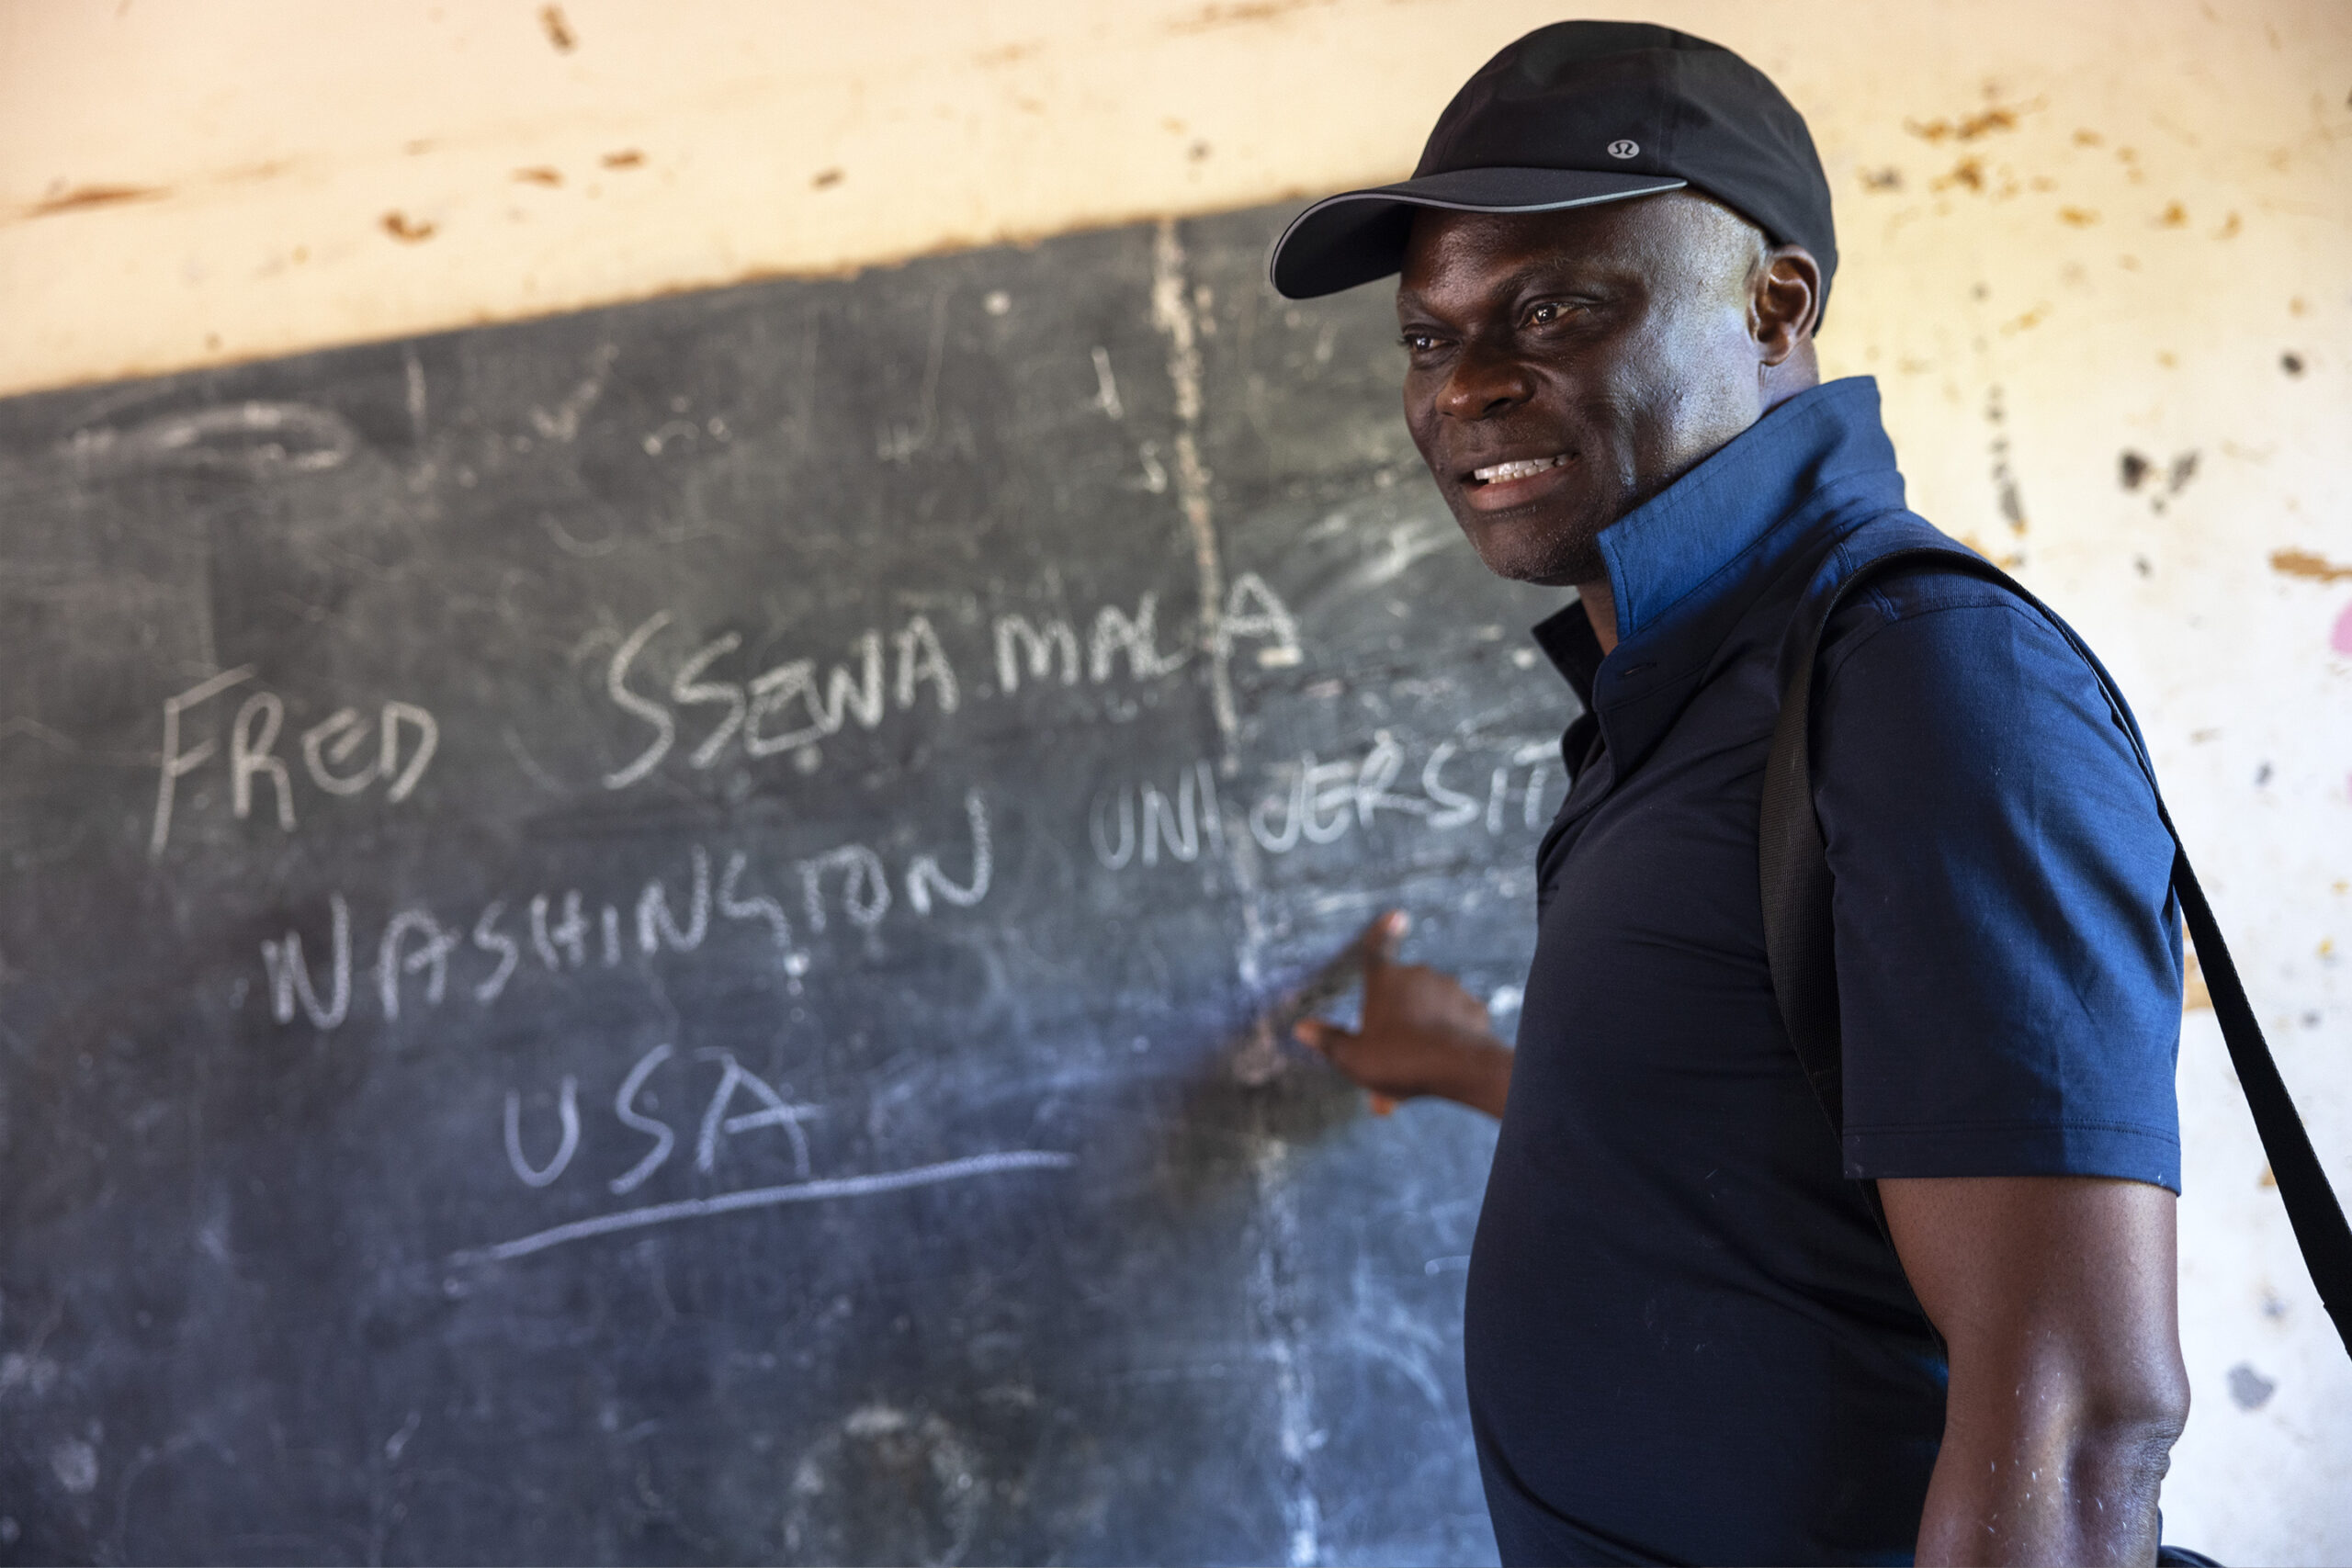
(1523, 468)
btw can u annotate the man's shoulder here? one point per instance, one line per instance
(1975, 624)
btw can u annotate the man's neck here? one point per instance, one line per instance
(1600, 609)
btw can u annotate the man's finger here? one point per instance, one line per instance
(1381, 939)
(1317, 1034)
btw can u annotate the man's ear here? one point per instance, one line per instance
(1784, 302)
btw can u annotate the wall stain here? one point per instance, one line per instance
(1241, 13)
(627, 158)
(2291, 362)
(540, 175)
(2293, 562)
(408, 230)
(2133, 469)
(2249, 1390)
(1006, 54)
(81, 198)
(559, 29)
(1969, 172)
(268, 170)
(2078, 217)
(1969, 127)
(825, 178)
(1888, 178)
(2006, 493)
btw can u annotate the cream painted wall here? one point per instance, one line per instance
(2071, 232)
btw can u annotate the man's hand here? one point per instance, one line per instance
(2055, 1296)
(1421, 1034)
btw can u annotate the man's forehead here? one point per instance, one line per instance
(1450, 250)
(1669, 232)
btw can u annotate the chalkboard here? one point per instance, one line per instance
(633, 937)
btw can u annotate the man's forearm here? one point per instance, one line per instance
(2056, 1297)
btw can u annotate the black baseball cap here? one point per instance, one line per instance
(1571, 114)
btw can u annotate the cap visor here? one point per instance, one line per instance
(1354, 237)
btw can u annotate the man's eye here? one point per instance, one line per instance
(1544, 315)
(1418, 342)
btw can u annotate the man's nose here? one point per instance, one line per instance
(1483, 383)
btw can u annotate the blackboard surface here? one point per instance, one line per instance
(631, 937)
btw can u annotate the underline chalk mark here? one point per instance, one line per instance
(768, 1197)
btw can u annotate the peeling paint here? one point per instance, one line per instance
(81, 198)
(1968, 127)
(2292, 562)
(2249, 1390)
(1241, 13)
(1968, 171)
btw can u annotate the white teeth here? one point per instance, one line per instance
(1519, 470)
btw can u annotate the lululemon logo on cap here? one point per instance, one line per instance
(1622, 148)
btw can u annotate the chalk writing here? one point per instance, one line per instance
(406, 737)
(780, 709)
(624, 1109)
(567, 1113)
(1315, 802)
(993, 1164)
(791, 706)
(1178, 823)
(849, 880)
(775, 1110)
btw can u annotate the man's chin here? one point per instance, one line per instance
(1542, 553)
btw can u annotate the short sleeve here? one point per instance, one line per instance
(2008, 952)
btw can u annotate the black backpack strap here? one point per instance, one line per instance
(1799, 932)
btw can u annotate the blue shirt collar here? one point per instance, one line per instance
(1672, 546)
(1686, 565)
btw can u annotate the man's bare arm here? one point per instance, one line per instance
(2056, 1297)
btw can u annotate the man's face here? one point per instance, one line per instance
(1566, 366)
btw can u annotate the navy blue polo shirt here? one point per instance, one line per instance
(1686, 1341)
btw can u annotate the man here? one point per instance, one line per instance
(1686, 1337)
